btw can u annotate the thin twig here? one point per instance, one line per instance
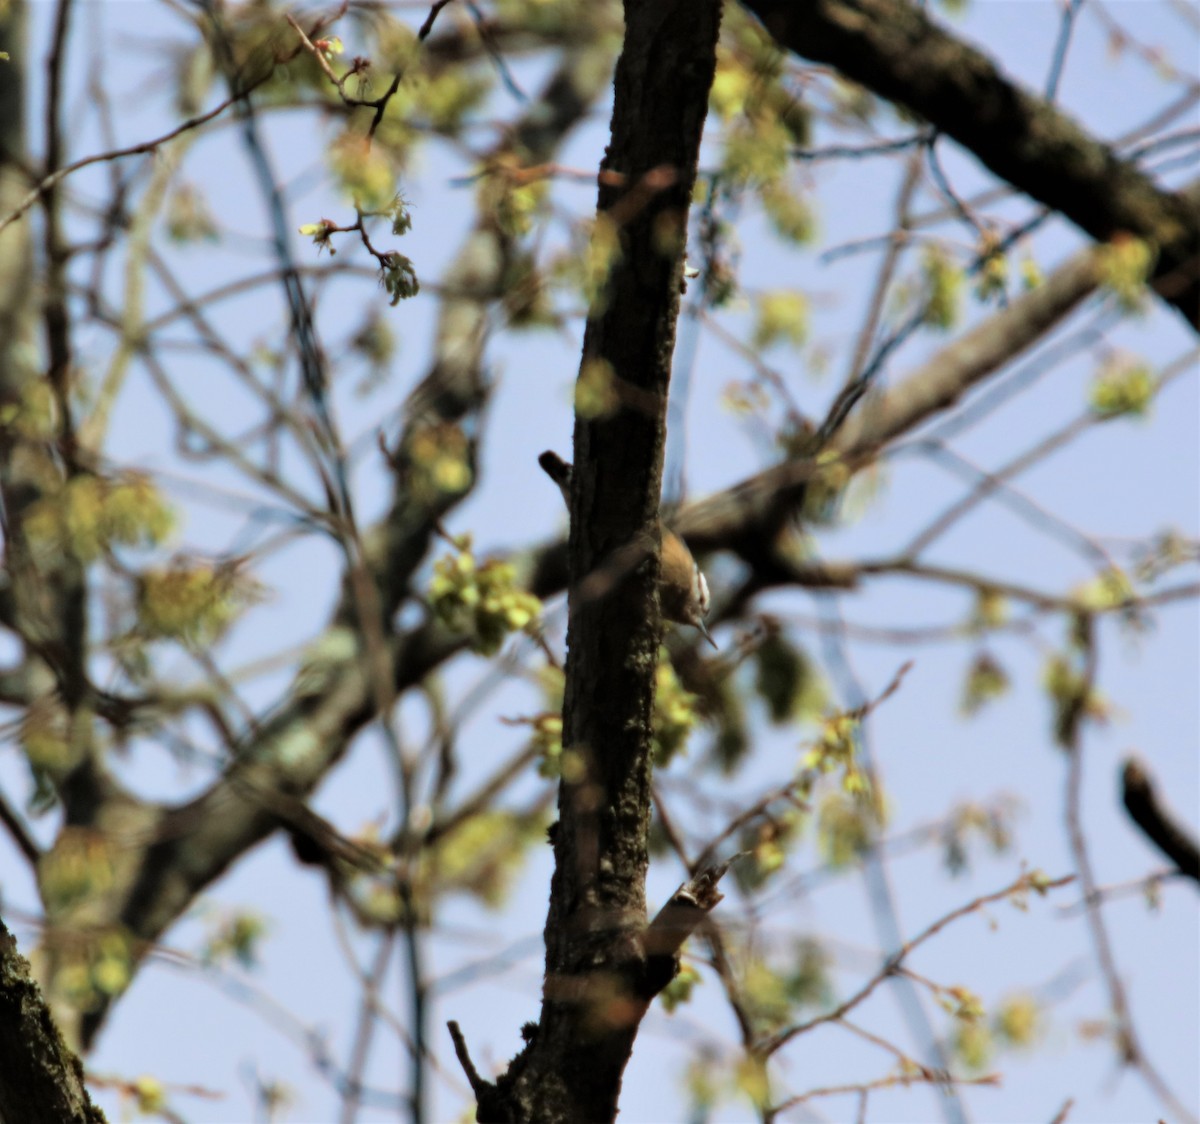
(1060, 1116)
(51, 181)
(427, 26)
(1022, 885)
(364, 1030)
(903, 1080)
(478, 1085)
(1065, 28)
(887, 268)
(23, 840)
(1071, 725)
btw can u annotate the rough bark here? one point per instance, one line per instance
(599, 974)
(40, 1079)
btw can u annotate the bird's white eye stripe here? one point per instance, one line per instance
(700, 589)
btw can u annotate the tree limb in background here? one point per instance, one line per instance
(960, 365)
(1141, 802)
(167, 855)
(894, 49)
(747, 517)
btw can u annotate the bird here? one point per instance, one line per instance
(682, 589)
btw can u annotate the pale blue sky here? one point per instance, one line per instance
(1127, 479)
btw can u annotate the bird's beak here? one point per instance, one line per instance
(705, 633)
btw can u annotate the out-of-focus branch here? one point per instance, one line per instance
(179, 851)
(1140, 797)
(55, 178)
(902, 1081)
(15, 827)
(1018, 890)
(1069, 727)
(970, 359)
(893, 48)
(748, 517)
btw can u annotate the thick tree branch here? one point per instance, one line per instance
(41, 1079)
(952, 372)
(596, 964)
(748, 517)
(894, 49)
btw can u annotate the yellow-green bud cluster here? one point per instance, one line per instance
(482, 600)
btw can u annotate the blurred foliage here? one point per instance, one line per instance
(986, 681)
(991, 282)
(1125, 266)
(751, 1080)
(675, 715)
(993, 823)
(825, 489)
(943, 280)
(96, 967)
(764, 996)
(86, 516)
(1165, 551)
(481, 599)
(990, 611)
(1017, 1023)
(702, 1084)
(440, 458)
(679, 990)
(596, 390)
(482, 857)
(782, 318)
(847, 826)
(234, 936)
(188, 216)
(1109, 590)
(81, 865)
(512, 200)
(191, 601)
(837, 750)
(767, 842)
(1122, 386)
(1072, 697)
(46, 736)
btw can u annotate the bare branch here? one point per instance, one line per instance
(894, 48)
(1020, 887)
